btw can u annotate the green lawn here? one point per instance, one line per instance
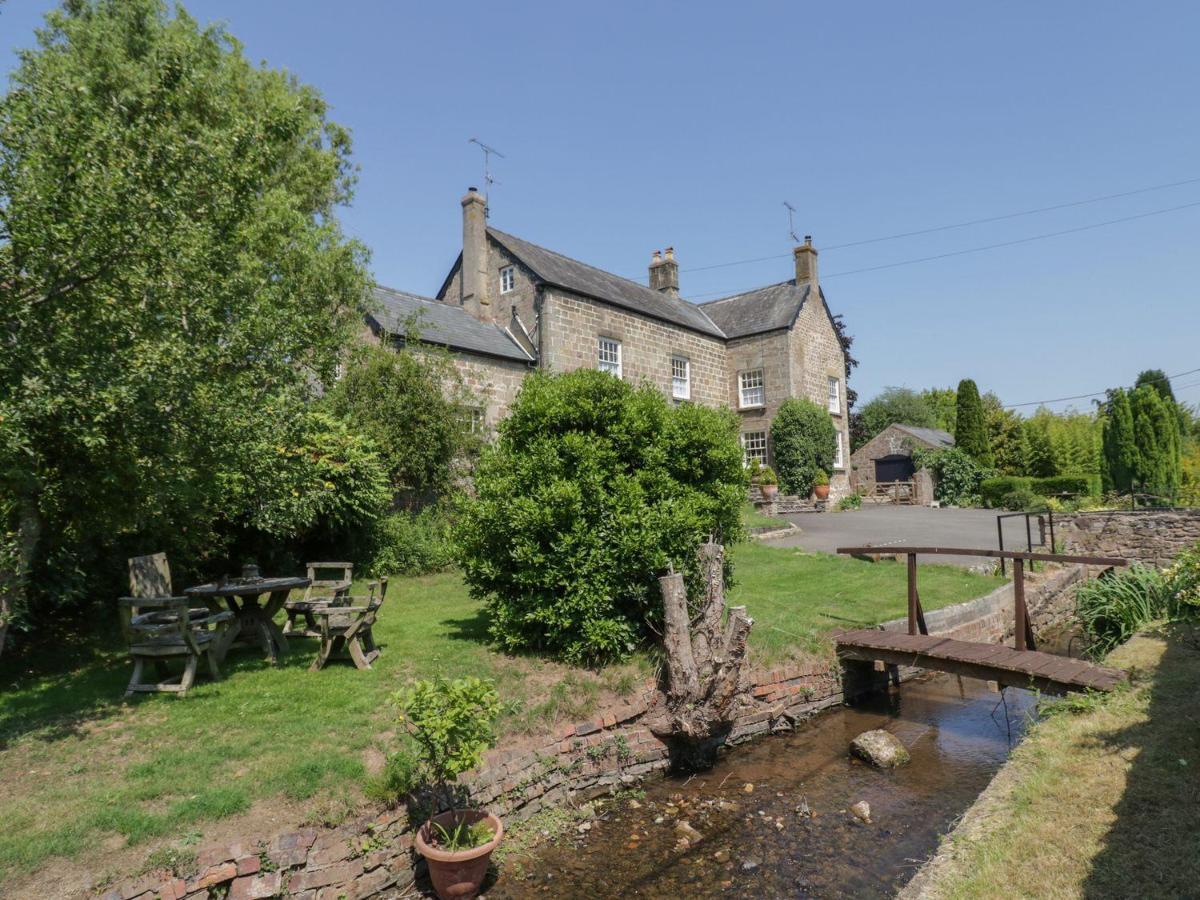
(84, 775)
(752, 518)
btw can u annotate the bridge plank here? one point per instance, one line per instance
(994, 662)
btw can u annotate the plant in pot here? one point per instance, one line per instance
(821, 485)
(451, 724)
(768, 483)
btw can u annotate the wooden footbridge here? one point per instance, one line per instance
(1018, 666)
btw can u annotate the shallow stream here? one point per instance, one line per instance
(773, 817)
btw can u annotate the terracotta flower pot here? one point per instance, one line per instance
(458, 876)
(821, 491)
(769, 491)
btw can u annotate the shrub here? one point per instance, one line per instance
(1022, 499)
(1183, 580)
(1115, 606)
(409, 543)
(451, 724)
(970, 427)
(957, 477)
(1074, 485)
(401, 776)
(591, 491)
(767, 475)
(851, 501)
(805, 443)
(992, 491)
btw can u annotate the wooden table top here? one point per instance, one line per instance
(237, 588)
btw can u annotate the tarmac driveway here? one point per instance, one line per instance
(919, 526)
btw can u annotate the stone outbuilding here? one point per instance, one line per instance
(888, 458)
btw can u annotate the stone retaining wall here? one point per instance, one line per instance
(373, 855)
(1150, 536)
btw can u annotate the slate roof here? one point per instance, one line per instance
(934, 436)
(762, 309)
(441, 323)
(562, 271)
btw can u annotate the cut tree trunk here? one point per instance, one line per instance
(696, 708)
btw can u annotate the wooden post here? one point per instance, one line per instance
(912, 593)
(1019, 602)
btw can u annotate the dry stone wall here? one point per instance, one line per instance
(373, 856)
(1152, 537)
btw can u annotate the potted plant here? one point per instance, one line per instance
(768, 483)
(821, 485)
(451, 725)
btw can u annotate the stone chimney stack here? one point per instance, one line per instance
(476, 281)
(664, 272)
(806, 263)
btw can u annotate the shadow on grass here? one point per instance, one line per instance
(473, 630)
(1153, 848)
(60, 704)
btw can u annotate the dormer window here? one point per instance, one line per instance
(507, 279)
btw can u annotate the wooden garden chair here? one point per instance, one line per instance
(150, 578)
(347, 630)
(159, 629)
(321, 593)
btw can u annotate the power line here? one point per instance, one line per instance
(1098, 393)
(969, 250)
(937, 228)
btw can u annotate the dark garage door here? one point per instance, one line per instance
(896, 467)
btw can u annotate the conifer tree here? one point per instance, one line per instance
(970, 433)
(1119, 445)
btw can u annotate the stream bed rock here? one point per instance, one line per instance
(880, 748)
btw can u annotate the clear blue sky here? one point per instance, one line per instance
(631, 126)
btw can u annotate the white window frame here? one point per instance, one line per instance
(508, 279)
(757, 386)
(608, 355)
(681, 378)
(839, 456)
(751, 449)
(835, 395)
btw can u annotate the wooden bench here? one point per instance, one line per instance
(347, 630)
(320, 594)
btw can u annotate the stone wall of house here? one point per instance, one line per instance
(1149, 536)
(816, 356)
(493, 382)
(769, 352)
(373, 855)
(572, 326)
(501, 306)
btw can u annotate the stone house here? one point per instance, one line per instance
(508, 306)
(888, 457)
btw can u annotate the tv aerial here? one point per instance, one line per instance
(791, 221)
(488, 152)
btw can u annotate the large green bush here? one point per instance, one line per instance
(593, 490)
(970, 427)
(956, 475)
(1074, 485)
(992, 491)
(407, 543)
(804, 442)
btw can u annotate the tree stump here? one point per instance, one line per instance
(698, 702)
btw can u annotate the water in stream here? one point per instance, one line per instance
(792, 834)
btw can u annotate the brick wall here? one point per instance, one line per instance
(816, 356)
(579, 761)
(572, 326)
(771, 353)
(493, 382)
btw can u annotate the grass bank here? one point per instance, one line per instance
(88, 778)
(1101, 799)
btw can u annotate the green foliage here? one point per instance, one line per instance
(944, 403)
(411, 402)
(850, 501)
(821, 479)
(1189, 477)
(175, 284)
(1142, 442)
(970, 433)
(1022, 499)
(896, 406)
(1114, 607)
(1119, 443)
(1075, 485)
(591, 491)
(1183, 581)
(401, 776)
(992, 491)
(451, 724)
(956, 476)
(1006, 435)
(408, 543)
(805, 442)
(766, 475)
(1061, 444)
(1157, 379)
(463, 836)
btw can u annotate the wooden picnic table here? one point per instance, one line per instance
(253, 618)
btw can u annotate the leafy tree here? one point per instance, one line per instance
(1157, 379)
(847, 341)
(413, 405)
(956, 475)
(1006, 435)
(173, 284)
(805, 444)
(592, 490)
(1062, 444)
(1156, 433)
(896, 406)
(944, 403)
(970, 433)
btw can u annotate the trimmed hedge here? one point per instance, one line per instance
(997, 492)
(1075, 485)
(994, 490)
